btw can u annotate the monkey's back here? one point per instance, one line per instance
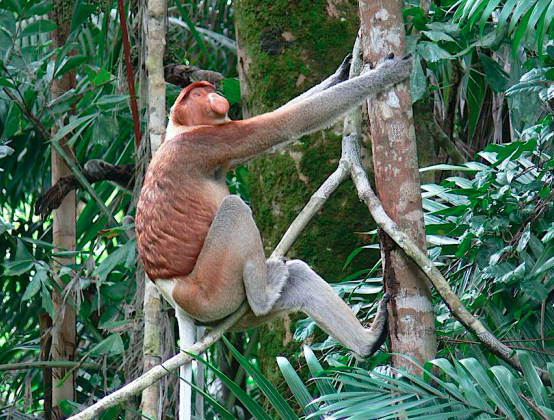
(176, 207)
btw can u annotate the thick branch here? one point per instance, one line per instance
(181, 75)
(94, 170)
(176, 74)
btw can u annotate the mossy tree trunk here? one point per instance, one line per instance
(285, 47)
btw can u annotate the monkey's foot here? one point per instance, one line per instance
(377, 334)
(277, 276)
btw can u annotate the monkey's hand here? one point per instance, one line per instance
(394, 70)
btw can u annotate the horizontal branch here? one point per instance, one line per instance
(49, 364)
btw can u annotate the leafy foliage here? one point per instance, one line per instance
(448, 390)
(527, 21)
(494, 233)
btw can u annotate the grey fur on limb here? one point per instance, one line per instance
(350, 163)
(156, 373)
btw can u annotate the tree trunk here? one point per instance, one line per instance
(411, 320)
(156, 12)
(284, 49)
(63, 231)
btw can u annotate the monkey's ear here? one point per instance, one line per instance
(179, 112)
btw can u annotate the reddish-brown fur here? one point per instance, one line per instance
(179, 200)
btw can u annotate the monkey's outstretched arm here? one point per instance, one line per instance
(220, 144)
(337, 77)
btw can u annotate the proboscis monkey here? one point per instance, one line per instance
(200, 244)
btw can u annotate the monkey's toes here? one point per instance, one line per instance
(344, 68)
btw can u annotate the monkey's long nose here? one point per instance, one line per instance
(218, 103)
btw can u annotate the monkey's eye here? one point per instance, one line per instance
(196, 94)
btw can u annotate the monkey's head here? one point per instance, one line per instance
(199, 104)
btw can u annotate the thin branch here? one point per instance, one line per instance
(366, 194)
(49, 364)
(158, 372)
(129, 69)
(535, 408)
(83, 181)
(70, 163)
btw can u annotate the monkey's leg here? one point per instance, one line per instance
(308, 292)
(231, 264)
(187, 337)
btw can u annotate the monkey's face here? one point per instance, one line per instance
(200, 105)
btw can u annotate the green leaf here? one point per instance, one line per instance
(105, 129)
(446, 167)
(476, 370)
(16, 268)
(533, 380)
(299, 390)
(496, 76)
(73, 124)
(250, 404)
(12, 124)
(40, 8)
(222, 411)
(505, 272)
(431, 52)
(36, 283)
(6, 82)
(231, 89)
(324, 385)
(111, 100)
(110, 346)
(524, 239)
(510, 387)
(520, 32)
(14, 5)
(47, 303)
(437, 36)
(418, 81)
(5, 226)
(549, 234)
(281, 406)
(486, 14)
(81, 13)
(70, 63)
(37, 27)
(120, 256)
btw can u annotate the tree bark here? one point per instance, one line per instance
(156, 18)
(283, 49)
(411, 320)
(63, 231)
